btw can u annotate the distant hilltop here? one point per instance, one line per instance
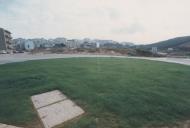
(178, 43)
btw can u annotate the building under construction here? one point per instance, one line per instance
(5, 41)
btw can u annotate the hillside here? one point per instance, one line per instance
(179, 43)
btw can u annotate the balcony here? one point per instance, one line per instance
(8, 36)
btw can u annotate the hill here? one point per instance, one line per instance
(179, 43)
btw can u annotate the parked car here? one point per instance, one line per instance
(3, 52)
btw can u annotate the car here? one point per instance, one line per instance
(3, 52)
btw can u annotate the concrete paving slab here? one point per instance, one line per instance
(59, 113)
(54, 108)
(7, 126)
(47, 98)
(3, 125)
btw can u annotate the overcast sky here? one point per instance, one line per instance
(140, 21)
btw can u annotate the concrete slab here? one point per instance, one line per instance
(59, 113)
(2, 125)
(54, 108)
(48, 98)
(7, 126)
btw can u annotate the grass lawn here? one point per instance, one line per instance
(115, 93)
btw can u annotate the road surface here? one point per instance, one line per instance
(7, 58)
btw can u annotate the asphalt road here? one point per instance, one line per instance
(6, 58)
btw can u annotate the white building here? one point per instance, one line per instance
(154, 50)
(97, 45)
(29, 45)
(170, 49)
(73, 43)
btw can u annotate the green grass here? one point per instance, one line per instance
(115, 93)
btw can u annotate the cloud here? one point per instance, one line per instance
(131, 29)
(113, 14)
(122, 20)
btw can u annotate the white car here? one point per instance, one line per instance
(3, 52)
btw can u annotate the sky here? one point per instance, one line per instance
(139, 21)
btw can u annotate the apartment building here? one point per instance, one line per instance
(5, 41)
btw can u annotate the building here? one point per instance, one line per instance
(58, 42)
(154, 50)
(73, 43)
(5, 41)
(89, 45)
(29, 45)
(170, 49)
(18, 44)
(97, 45)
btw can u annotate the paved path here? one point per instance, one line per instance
(183, 61)
(54, 108)
(25, 57)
